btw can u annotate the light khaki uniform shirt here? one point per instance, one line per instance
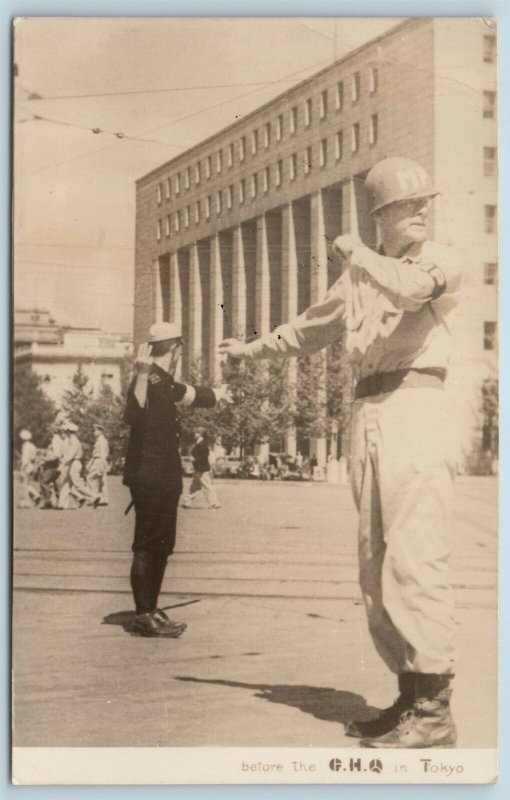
(385, 306)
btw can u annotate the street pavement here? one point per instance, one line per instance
(277, 652)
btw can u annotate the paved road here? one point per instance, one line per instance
(276, 653)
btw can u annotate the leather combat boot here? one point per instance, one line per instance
(389, 717)
(428, 723)
(148, 625)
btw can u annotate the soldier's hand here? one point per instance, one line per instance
(143, 360)
(224, 393)
(345, 244)
(233, 348)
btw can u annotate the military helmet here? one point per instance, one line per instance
(395, 179)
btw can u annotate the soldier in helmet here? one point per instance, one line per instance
(395, 305)
(153, 469)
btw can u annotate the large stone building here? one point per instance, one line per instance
(54, 351)
(232, 236)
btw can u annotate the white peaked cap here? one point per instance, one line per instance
(161, 331)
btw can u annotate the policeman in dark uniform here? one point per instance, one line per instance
(153, 468)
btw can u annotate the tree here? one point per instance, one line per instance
(107, 410)
(262, 407)
(76, 402)
(490, 415)
(324, 393)
(32, 409)
(81, 407)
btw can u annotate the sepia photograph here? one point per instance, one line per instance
(255, 400)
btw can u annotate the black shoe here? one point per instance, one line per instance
(148, 625)
(389, 717)
(168, 624)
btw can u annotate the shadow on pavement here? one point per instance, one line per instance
(331, 705)
(124, 618)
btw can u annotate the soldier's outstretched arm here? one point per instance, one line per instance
(317, 327)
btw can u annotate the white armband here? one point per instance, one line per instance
(188, 397)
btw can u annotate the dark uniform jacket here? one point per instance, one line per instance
(152, 457)
(200, 453)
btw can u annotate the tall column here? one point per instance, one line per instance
(290, 305)
(318, 287)
(319, 250)
(216, 310)
(350, 224)
(157, 295)
(349, 208)
(238, 284)
(175, 301)
(175, 291)
(194, 308)
(262, 299)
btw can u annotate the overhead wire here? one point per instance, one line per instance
(95, 130)
(35, 96)
(183, 118)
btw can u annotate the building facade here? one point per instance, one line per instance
(233, 236)
(53, 352)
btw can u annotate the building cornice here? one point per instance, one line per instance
(238, 125)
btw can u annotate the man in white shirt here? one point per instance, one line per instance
(396, 308)
(72, 464)
(97, 468)
(28, 465)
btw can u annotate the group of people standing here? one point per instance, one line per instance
(54, 477)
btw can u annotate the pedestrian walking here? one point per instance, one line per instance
(396, 305)
(50, 471)
(73, 484)
(202, 479)
(97, 467)
(153, 469)
(30, 495)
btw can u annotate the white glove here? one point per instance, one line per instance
(233, 348)
(224, 393)
(345, 244)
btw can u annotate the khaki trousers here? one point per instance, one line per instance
(402, 479)
(202, 481)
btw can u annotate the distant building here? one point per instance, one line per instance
(35, 326)
(54, 352)
(232, 236)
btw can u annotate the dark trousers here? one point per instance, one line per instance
(48, 484)
(154, 541)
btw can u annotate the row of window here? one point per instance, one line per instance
(263, 137)
(489, 105)
(490, 273)
(490, 335)
(225, 197)
(489, 49)
(491, 219)
(490, 157)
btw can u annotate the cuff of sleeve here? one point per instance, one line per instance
(189, 396)
(252, 349)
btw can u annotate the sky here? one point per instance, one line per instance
(99, 102)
